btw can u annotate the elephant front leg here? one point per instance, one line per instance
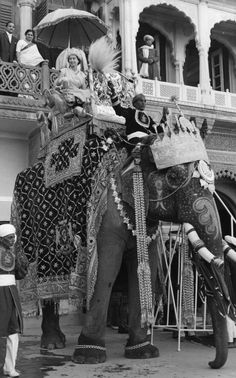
(138, 345)
(91, 343)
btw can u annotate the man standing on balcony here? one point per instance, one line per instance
(8, 43)
(149, 59)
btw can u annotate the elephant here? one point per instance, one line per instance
(75, 212)
(179, 194)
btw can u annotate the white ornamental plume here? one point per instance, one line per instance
(103, 57)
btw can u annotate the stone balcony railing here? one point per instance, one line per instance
(32, 81)
(25, 80)
(160, 90)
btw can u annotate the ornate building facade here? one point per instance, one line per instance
(197, 50)
(195, 40)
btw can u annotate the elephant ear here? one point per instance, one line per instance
(126, 185)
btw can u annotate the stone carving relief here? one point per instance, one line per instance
(220, 141)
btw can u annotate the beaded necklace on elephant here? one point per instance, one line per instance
(144, 273)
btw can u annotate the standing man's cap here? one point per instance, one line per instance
(6, 229)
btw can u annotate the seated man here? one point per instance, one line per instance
(138, 123)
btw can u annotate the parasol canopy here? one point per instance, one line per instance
(69, 27)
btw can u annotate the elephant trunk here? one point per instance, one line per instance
(220, 335)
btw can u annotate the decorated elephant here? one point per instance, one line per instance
(124, 216)
(85, 206)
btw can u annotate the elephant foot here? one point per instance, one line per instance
(53, 341)
(141, 351)
(89, 352)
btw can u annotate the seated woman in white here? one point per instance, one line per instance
(27, 51)
(72, 78)
(71, 88)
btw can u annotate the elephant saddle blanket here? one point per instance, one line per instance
(64, 157)
(51, 228)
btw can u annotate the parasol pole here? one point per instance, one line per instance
(68, 46)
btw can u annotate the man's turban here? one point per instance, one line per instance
(147, 36)
(138, 97)
(7, 229)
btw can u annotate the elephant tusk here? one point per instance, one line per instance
(200, 247)
(229, 252)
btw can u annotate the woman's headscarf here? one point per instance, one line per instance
(62, 59)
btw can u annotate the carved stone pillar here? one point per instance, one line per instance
(125, 22)
(134, 25)
(26, 8)
(45, 75)
(179, 71)
(204, 69)
(180, 42)
(203, 48)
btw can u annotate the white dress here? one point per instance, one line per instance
(28, 53)
(73, 83)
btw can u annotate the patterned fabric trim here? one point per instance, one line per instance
(142, 118)
(138, 346)
(90, 347)
(96, 208)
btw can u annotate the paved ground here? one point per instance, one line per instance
(191, 362)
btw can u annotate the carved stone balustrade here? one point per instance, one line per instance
(25, 80)
(21, 89)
